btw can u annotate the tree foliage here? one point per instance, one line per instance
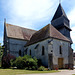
(26, 62)
(1, 53)
(1, 50)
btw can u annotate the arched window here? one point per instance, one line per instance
(19, 52)
(30, 52)
(60, 49)
(43, 50)
(26, 51)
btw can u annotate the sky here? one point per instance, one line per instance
(34, 14)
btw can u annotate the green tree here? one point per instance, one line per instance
(26, 62)
(1, 53)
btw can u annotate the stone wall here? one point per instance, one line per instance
(15, 45)
(54, 49)
(51, 48)
(37, 52)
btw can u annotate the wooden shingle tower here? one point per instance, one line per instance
(61, 22)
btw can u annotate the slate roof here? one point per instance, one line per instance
(59, 12)
(46, 32)
(18, 32)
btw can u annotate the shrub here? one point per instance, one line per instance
(42, 68)
(32, 63)
(39, 62)
(26, 62)
(6, 60)
(19, 63)
(12, 63)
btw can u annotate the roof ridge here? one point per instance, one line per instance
(48, 31)
(20, 26)
(18, 32)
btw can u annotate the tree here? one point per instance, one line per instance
(26, 62)
(1, 53)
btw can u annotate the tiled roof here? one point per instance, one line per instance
(18, 32)
(60, 12)
(46, 32)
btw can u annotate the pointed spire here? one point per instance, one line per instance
(4, 20)
(59, 12)
(59, 1)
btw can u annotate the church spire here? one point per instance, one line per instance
(59, 1)
(59, 12)
(61, 22)
(4, 20)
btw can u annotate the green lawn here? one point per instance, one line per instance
(16, 71)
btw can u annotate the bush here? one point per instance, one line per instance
(12, 63)
(26, 62)
(32, 63)
(42, 68)
(39, 62)
(6, 60)
(19, 63)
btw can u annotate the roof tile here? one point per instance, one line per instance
(46, 32)
(19, 32)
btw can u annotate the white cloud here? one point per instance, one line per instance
(71, 16)
(28, 12)
(1, 39)
(73, 34)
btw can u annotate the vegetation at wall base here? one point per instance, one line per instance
(26, 62)
(25, 65)
(42, 68)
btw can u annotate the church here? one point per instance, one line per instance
(51, 44)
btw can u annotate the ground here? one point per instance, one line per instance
(28, 72)
(18, 72)
(62, 72)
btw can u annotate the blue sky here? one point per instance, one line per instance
(34, 14)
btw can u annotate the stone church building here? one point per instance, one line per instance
(51, 44)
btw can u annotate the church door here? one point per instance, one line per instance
(60, 63)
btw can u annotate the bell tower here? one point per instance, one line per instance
(61, 22)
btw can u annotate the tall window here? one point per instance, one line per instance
(43, 50)
(19, 52)
(60, 49)
(30, 52)
(26, 51)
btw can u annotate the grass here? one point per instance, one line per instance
(17, 71)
